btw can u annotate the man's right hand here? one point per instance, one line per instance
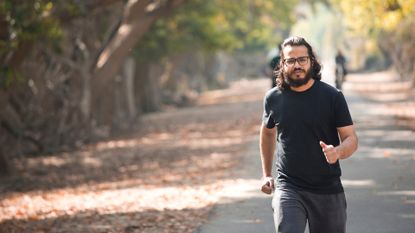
(267, 185)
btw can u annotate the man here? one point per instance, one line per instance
(341, 60)
(274, 65)
(307, 117)
(340, 69)
(274, 69)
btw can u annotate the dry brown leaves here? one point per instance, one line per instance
(165, 178)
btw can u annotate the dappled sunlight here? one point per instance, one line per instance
(116, 144)
(65, 203)
(374, 77)
(398, 193)
(106, 171)
(393, 86)
(347, 183)
(365, 152)
(61, 202)
(123, 32)
(378, 178)
(390, 97)
(169, 174)
(234, 93)
(393, 143)
(92, 162)
(230, 99)
(112, 119)
(367, 110)
(209, 143)
(150, 139)
(155, 157)
(238, 189)
(193, 140)
(406, 196)
(405, 135)
(54, 161)
(406, 109)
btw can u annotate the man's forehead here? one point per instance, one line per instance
(298, 50)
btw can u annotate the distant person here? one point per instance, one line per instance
(341, 70)
(274, 65)
(311, 124)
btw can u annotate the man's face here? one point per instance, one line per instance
(296, 65)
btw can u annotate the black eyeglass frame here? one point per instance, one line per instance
(302, 61)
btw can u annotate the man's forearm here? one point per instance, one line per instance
(267, 148)
(347, 147)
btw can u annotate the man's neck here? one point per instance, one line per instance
(304, 87)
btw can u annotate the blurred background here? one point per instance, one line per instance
(76, 72)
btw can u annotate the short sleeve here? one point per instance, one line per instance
(342, 113)
(267, 115)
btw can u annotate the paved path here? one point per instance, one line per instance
(379, 181)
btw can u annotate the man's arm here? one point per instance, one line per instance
(348, 145)
(349, 141)
(267, 149)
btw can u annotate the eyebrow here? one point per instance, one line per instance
(296, 57)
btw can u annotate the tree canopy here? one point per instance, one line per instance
(208, 25)
(69, 60)
(219, 25)
(387, 25)
(375, 16)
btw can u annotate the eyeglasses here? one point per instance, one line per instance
(301, 61)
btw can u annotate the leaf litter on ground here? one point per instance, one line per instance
(164, 178)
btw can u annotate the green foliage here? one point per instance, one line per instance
(28, 21)
(218, 25)
(8, 76)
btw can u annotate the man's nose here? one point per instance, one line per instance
(297, 64)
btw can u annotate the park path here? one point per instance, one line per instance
(178, 164)
(379, 179)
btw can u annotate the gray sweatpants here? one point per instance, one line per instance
(326, 213)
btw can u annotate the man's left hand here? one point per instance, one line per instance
(331, 153)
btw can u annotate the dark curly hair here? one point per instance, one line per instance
(315, 65)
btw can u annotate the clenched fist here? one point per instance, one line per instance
(267, 185)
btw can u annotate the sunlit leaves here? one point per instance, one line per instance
(369, 17)
(219, 25)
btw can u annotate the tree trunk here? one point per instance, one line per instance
(86, 80)
(147, 88)
(4, 165)
(129, 70)
(138, 17)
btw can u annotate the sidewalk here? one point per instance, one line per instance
(378, 179)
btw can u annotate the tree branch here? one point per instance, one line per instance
(139, 16)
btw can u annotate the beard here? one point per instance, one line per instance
(293, 80)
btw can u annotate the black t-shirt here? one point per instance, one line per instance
(302, 120)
